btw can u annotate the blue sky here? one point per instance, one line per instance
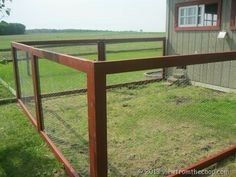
(149, 15)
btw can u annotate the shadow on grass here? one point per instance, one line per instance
(82, 146)
(18, 162)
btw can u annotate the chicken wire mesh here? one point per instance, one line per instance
(114, 51)
(133, 50)
(122, 51)
(78, 50)
(64, 100)
(161, 127)
(6, 75)
(5, 55)
(154, 127)
(26, 82)
(64, 104)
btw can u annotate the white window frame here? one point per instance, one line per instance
(185, 16)
(197, 15)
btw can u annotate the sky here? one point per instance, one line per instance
(117, 15)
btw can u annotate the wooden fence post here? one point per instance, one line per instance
(164, 53)
(16, 73)
(28, 63)
(37, 92)
(101, 51)
(97, 122)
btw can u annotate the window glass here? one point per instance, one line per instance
(211, 14)
(188, 16)
(198, 15)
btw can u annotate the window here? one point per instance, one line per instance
(233, 15)
(190, 16)
(197, 15)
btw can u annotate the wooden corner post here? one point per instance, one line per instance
(37, 92)
(16, 73)
(97, 119)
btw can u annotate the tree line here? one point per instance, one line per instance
(11, 28)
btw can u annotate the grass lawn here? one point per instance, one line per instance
(4, 93)
(22, 151)
(149, 127)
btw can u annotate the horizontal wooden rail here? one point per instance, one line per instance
(5, 50)
(93, 41)
(67, 43)
(112, 67)
(80, 64)
(206, 162)
(4, 101)
(84, 90)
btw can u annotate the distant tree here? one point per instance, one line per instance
(3, 9)
(11, 28)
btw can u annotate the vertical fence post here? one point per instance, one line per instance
(97, 122)
(16, 73)
(28, 63)
(164, 53)
(101, 51)
(37, 92)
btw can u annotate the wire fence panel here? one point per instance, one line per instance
(158, 128)
(155, 126)
(133, 50)
(5, 55)
(86, 50)
(64, 102)
(6, 75)
(26, 82)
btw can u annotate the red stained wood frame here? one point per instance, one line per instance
(92, 41)
(77, 63)
(97, 120)
(198, 28)
(63, 43)
(96, 83)
(37, 92)
(68, 167)
(16, 73)
(207, 161)
(112, 67)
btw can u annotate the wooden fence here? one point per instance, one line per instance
(97, 95)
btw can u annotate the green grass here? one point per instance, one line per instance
(56, 77)
(22, 151)
(4, 93)
(149, 127)
(5, 40)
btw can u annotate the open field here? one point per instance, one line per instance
(5, 40)
(114, 52)
(149, 127)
